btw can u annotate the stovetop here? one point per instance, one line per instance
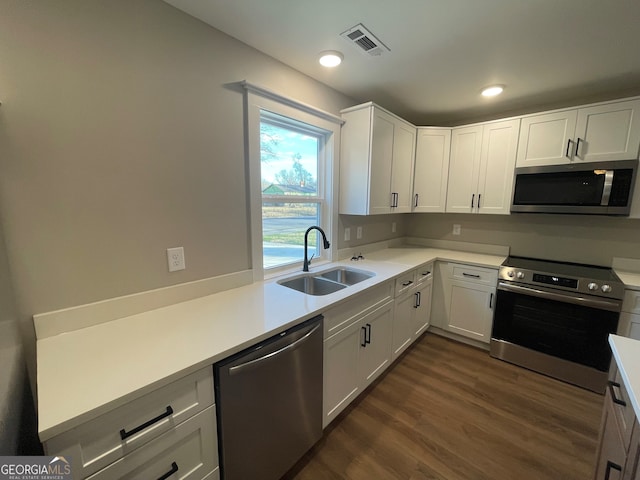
(575, 277)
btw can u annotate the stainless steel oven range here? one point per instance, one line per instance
(555, 318)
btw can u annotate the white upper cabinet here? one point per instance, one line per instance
(376, 162)
(481, 167)
(464, 167)
(598, 133)
(433, 146)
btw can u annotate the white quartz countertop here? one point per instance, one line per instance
(631, 280)
(626, 352)
(85, 373)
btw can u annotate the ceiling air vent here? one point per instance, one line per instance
(365, 40)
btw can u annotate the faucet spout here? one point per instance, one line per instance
(307, 260)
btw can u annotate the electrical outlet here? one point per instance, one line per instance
(347, 234)
(393, 227)
(175, 259)
(456, 229)
(359, 233)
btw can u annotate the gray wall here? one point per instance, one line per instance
(12, 365)
(574, 238)
(120, 136)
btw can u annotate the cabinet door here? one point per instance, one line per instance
(381, 161)
(404, 144)
(431, 172)
(422, 313)
(497, 163)
(608, 132)
(546, 139)
(464, 165)
(375, 355)
(341, 379)
(611, 455)
(403, 323)
(471, 310)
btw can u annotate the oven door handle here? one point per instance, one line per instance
(612, 306)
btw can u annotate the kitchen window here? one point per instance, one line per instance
(292, 162)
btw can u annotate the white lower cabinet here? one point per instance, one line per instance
(412, 307)
(469, 299)
(354, 357)
(189, 451)
(618, 452)
(629, 324)
(174, 424)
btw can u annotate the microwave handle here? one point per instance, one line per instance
(606, 191)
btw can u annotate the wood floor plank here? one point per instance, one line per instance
(448, 411)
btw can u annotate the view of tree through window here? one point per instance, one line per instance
(291, 198)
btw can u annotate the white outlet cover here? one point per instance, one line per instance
(359, 232)
(175, 259)
(347, 234)
(456, 229)
(393, 227)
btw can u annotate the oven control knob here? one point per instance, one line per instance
(520, 275)
(592, 286)
(606, 288)
(510, 274)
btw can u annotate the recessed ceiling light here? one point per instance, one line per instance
(330, 58)
(492, 91)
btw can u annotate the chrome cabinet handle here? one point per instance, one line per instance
(479, 195)
(465, 274)
(124, 434)
(473, 197)
(491, 301)
(578, 145)
(364, 336)
(367, 334)
(416, 200)
(406, 284)
(174, 469)
(566, 154)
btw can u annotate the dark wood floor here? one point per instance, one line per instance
(449, 411)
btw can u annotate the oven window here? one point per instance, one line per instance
(572, 332)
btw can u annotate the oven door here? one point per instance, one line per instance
(563, 325)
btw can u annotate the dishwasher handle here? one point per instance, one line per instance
(271, 356)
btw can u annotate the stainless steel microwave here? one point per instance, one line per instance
(599, 188)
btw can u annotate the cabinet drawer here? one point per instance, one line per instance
(189, 450)
(405, 283)
(424, 273)
(485, 276)
(341, 316)
(631, 302)
(97, 443)
(622, 407)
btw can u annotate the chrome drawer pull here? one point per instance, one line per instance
(174, 469)
(406, 284)
(124, 434)
(470, 275)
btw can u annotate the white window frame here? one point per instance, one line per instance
(258, 99)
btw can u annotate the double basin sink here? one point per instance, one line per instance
(329, 281)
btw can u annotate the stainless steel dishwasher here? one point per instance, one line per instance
(269, 403)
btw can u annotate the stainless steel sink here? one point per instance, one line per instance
(324, 283)
(348, 276)
(312, 285)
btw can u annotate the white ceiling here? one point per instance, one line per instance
(547, 52)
